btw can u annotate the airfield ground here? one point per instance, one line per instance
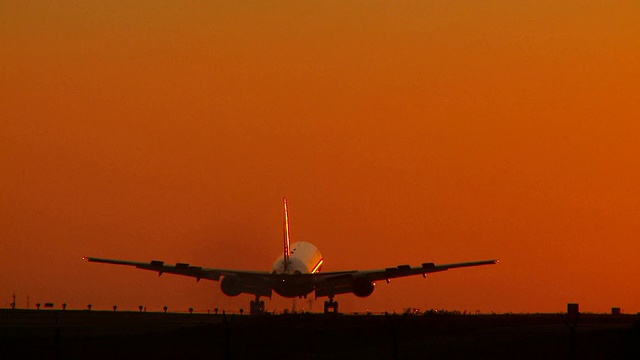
(57, 334)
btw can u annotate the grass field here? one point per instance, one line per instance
(56, 334)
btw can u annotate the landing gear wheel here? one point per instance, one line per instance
(256, 307)
(331, 307)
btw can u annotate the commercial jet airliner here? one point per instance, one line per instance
(294, 274)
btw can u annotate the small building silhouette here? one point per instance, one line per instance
(573, 309)
(616, 311)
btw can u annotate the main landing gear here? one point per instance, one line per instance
(330, 306)
(257, 306)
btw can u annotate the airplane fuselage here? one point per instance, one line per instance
(304, 258)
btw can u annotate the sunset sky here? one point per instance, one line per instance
(400, 132)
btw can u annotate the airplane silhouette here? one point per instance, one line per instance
(296, 273)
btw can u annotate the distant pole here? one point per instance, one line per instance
(394, 336)
(571, 321)
(165, 308)
(227, 333)
(56, 336)
(13, 304)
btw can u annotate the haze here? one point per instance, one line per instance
(400, 132)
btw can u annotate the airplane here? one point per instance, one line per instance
(295, 274)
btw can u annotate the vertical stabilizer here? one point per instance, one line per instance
(287, 241)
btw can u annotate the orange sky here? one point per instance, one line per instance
(401, 133)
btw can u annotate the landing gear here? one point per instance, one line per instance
(257, 306)
(330, 307)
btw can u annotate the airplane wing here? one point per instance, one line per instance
(425, 268)
(184, 269)
(359, 282)
(332, 283)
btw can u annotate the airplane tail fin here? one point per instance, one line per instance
(287, 241)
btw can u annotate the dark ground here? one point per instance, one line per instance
(56, 334)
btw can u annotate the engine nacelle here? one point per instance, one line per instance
(362, 287)
(230, 286)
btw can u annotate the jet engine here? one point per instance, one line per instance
(362, 287)
(230, 286)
